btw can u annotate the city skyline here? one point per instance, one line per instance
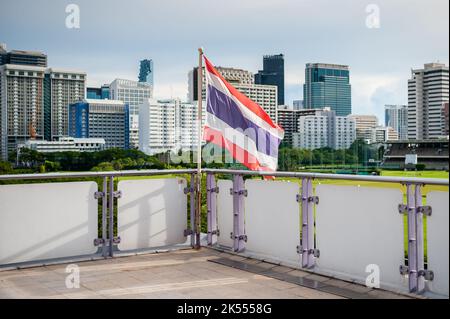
(380, 64)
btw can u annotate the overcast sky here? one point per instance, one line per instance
(115, 34)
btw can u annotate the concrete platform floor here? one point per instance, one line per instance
(182, 274)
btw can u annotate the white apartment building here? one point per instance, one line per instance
(167, 125)
(428, 90)
(64, 87)
(21, 105)
(383, 134)
(324, 129)
(244, 82)
(133, 93)
(365, 124)
(66, 144)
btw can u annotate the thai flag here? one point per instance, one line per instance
(238, 124)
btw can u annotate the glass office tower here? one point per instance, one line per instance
(146, 72)
(328, 85)
(273, 74)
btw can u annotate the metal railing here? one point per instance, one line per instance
(413, 209)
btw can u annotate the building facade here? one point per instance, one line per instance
(428, 90)
(288, 119)
(107, 119)
(19, 57)
(98, 93)
(146, 71)
(61, 88)
(396, 116)
(168, 125)
(132, 93)
(328, 85)
(21, 105)
(324, 129)
(66, 144)
(365, 124)
(383, 134)
(273, 74)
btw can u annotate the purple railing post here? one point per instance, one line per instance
(420, 264)
(412, 240)
(192, 210)
(307, 244)
(238, 193)
(111, 216)
(211, 191)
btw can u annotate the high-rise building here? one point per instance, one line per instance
(107, 119)
(383, 134)
(273, 74)
(132, 93)
(288, 120)
(243, 81)
(324, 129)
(445, 115)
(21, 105)
(328, 85)
(396, 116)
(20, 57)
(98, 93)
(298, 104)
(364, 126)
(168, 125)
(428, 90)
(146, 71)
(61, 88)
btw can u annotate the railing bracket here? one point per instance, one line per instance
(98, 195)
(214, 232)
(116, 240)
(427, 274)
(402, 209)
(404, 270)
(240, 192)
(117, 194)
(314, 252)
(188, 190)
(188, 232)
(213, 190)
(426, 210)
(313, 199)
(98, 241)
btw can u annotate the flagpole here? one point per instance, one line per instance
(199, 149)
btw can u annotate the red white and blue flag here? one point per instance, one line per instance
(239, 125)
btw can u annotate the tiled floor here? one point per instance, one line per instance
(180, 274)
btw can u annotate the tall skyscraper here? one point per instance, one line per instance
(21, 105)
(132, 93)
(107, 119)
(146, 71)
(328, 85)
(273, 74)
(20, 57)
(61, 88)
(427, 93)
(396, 116)
(243, 81)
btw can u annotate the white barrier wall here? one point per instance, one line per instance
(44, 221)
(272, 221)
(438, 238)
(151, 213)
(359, 229)
(225, 213)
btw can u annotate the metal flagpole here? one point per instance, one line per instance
(199, 149)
